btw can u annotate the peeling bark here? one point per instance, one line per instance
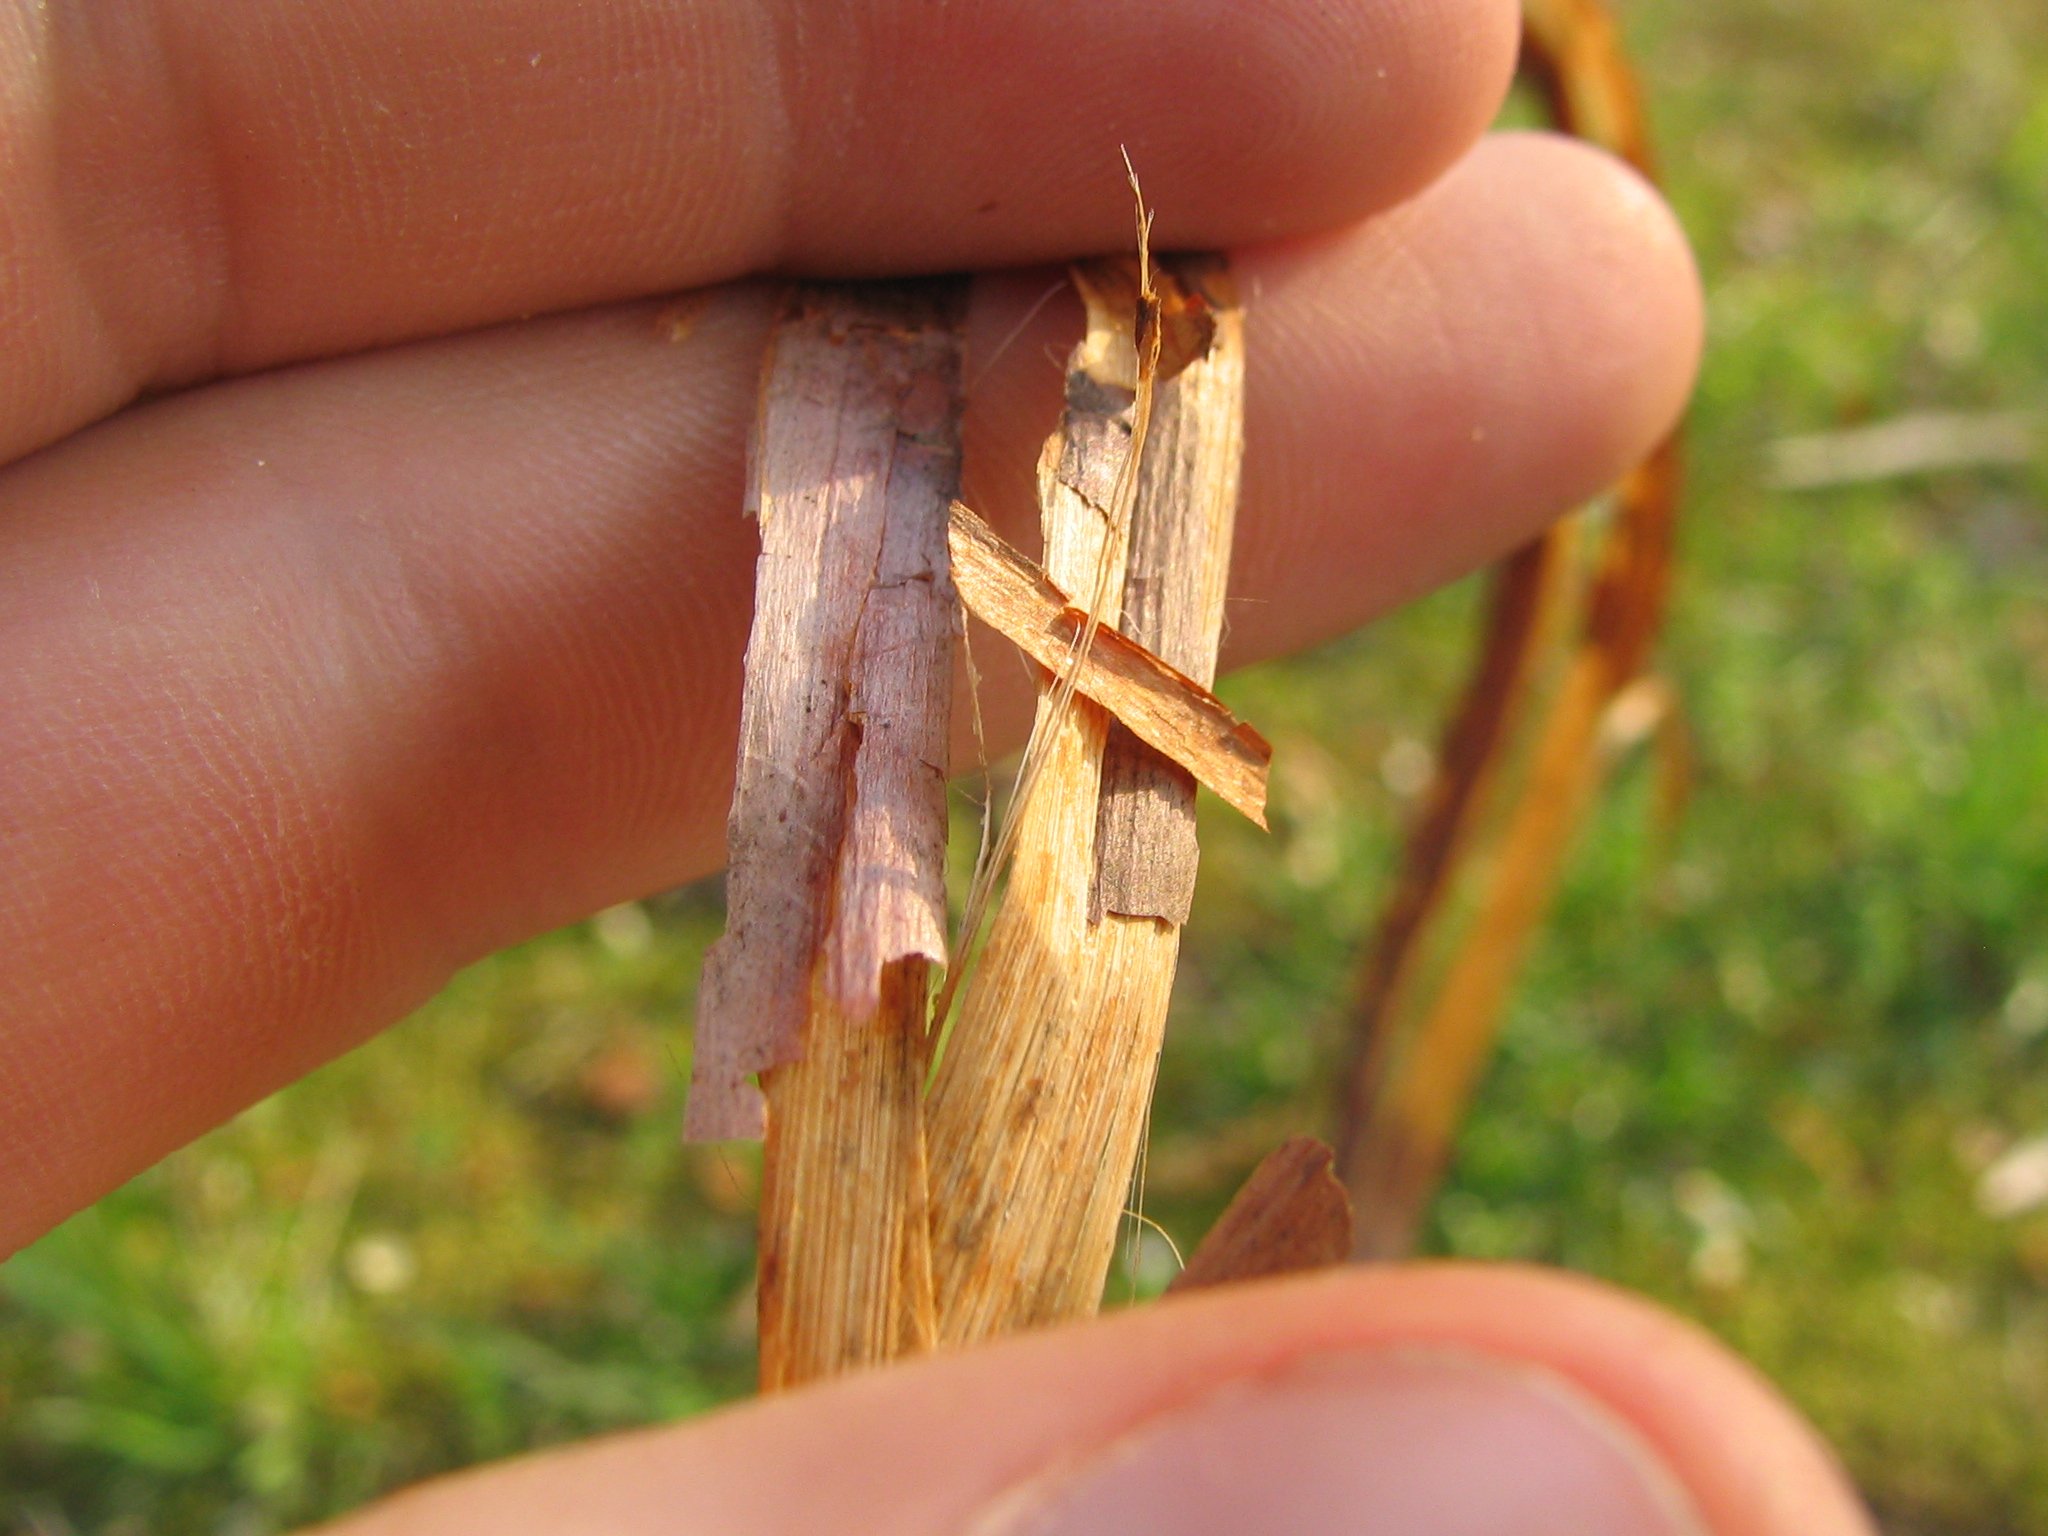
(836, 892)
(855, 459)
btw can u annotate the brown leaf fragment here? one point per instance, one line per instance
(1292, 1214)
(856, 442)
(1162, 706)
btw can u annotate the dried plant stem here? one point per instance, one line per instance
(1039, 1103)
(1531, 594)
(1419, 1049)
(845, 1263)
(1402, 1146)
(1400, 1141)
(836, 892)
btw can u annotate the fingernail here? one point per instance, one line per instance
(1387, 1442)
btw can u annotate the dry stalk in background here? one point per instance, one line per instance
(1417, 1052)
(836, 890)
(1039, 1104)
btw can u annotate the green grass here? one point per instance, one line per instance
(1758, 1077)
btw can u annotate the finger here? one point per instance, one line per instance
(1443, 1400)
(188, 188)
(320, 686)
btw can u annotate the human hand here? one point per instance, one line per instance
(321, 680)
(1433, 1400)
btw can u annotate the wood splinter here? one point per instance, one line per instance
(1039, 1103)
(1151, 700)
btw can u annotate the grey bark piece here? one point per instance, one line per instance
(855, 460)
(1146, 854)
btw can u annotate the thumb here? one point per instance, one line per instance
(1446, 1400)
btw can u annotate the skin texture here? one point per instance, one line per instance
(372, 587)
(200, 187)
(1740, 1460)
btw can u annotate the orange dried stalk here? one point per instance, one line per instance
(1529, 590)
(1416, 1059)
(1039, 1103)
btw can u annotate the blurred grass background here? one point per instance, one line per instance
(1789, 1075)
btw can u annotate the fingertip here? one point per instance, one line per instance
(1429, 1397)
(1243, 122)
(1748, 1462)
(1459, 60)
(1338, 111)
(1429, 389)
(1641, 319)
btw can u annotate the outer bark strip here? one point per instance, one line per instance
(1040, 1100)
(1174, 583)
(836, 891)
(855, 459)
